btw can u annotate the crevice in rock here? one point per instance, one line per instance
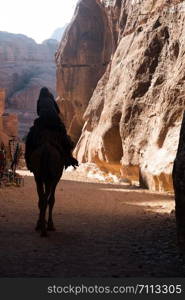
(116, 118)
(84, 65)
(162, 136)
(140, 29)
(75, 66)
(168, 121)
(142, 89)
(113, 144)
(175, 49)
(157, 24)
(150, 62)
(123, 21)
(118, 3)
(160, 79)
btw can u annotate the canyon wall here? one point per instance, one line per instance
(8, 122)
(58, 33)
(121, 78)
(25, 67)
(82, 59)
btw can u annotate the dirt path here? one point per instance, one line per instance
(103, 230)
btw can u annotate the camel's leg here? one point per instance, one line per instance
(43, 216)
(51, 226)
(41, 224)
(40, 191)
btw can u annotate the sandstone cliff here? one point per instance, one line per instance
(25, 67)
(8, 122)
(121, 75)
(82, 58)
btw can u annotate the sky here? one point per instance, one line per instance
(35, 18)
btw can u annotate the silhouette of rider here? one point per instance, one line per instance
(48, 112)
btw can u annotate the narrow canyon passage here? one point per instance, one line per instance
(103, 230)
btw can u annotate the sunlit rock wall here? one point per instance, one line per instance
(132, 120)
(82, 58)
(8, 122)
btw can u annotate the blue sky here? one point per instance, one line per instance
(35, 18)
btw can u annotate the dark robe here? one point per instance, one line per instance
(48, 112)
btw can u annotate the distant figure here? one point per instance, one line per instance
(48, 112)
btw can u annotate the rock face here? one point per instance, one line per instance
(2, 101)
(58, 33)
(25, 67)
(131, 104)
(82, 58)
(8, 122)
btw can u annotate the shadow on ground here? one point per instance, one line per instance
(102, 231)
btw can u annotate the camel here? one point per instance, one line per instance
(47, 164)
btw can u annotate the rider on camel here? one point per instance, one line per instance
(48, 112)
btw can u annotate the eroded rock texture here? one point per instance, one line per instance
(82, 58)
(8, 122)
(131, 104)
(25, 67)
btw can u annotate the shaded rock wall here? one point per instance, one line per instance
(8, 122)
(25, 67)
(132, 120)
(2, 101)
(2, 104)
